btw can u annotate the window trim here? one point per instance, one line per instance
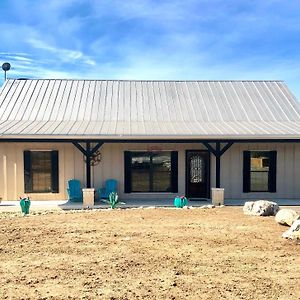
(54, 157)
(128, 172)
(272, 173)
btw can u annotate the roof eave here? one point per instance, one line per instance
(50, 138)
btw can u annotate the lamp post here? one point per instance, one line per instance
(5, 68)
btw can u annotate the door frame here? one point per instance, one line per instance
(208, 174)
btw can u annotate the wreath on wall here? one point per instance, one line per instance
(95, 159)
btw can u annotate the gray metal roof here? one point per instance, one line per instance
(147, 109)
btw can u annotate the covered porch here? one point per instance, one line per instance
(225, 165)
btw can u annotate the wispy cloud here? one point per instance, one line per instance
(65, 55)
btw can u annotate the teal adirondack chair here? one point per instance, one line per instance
(110, 186)
(74, 190)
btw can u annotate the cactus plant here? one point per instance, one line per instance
(113, 200)
(25, 204)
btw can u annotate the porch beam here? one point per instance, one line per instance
(97, 147)
(80, 148)
(218, 152)
(210, 148)
(226, 147)
(88, 152)
(177, 141)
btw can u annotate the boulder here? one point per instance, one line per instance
(286, 217)
(293, 232)
(261, 208)
(247, 209)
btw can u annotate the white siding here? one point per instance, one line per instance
(71, 165)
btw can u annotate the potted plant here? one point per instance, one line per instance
(25, 205)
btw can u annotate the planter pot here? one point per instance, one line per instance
(180, 202)
(25, 205)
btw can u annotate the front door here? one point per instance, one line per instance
(197, 174)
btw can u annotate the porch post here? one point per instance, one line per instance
(218, 165)
(218, 152)
(88, 165)
(88, 153)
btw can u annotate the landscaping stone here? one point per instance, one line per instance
(286, 217)
(293, 232)
(207, 206)
(248, 206)
(150, 207)
(261, 208)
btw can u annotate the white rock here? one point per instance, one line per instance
(150, 207)
(286, 216)
(261, 208)
(248, 206)
(207, 206)
(293, 232)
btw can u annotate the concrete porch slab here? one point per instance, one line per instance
(14, 206)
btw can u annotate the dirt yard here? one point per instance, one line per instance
(147, 254)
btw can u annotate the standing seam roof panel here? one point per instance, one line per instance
(15, 101)
(151, 108)
(286, 108)
(273, 105)
(31, 110)
(14, 85)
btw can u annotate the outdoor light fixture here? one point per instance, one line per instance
(5, 68)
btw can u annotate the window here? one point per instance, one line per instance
(151, 171)
(41, 171)
(260, 171)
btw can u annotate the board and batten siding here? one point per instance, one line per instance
(12, 169)
(71, 165)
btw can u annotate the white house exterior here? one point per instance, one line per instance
(157, 138)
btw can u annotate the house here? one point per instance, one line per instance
(157, 138)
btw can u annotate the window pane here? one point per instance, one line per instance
(140, 172)
(260, 160)
(41, 171)
(259, 181)
(161, 167)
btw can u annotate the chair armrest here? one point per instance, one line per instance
(102, 193)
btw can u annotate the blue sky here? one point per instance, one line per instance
(150, 39)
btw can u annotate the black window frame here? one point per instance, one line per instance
(272, 173)
(128, 171)
(28, 172)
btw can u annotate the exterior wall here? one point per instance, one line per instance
(71, 165)
(12, 169)
(112, 166)
(288, 171)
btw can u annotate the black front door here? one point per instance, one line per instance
(197, 174)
